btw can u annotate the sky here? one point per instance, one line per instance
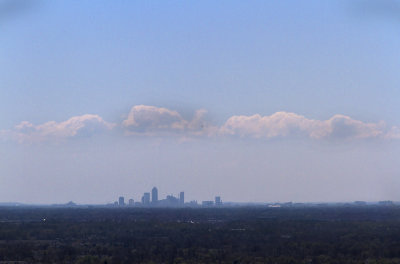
(255, 101)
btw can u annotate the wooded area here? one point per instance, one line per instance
(366, 234)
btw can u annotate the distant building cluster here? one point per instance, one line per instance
(151, 200)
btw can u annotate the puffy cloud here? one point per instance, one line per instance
(150, 120)
(278, 124)
(284, 124)
(77, 126)
(144, 118)
(158, 121)
(340, 126)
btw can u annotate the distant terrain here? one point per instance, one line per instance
(363, 234)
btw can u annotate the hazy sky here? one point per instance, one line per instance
(257, 101)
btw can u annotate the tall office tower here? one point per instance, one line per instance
(181, 198)
(131, 202)
(154, 195)
(146, 198)
(121, 201)
(218, 201)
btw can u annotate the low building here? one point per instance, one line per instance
(207, 203)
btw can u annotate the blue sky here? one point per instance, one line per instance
(329, 67)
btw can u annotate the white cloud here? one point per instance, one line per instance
(158, 121)
(284, 124)
(340, 126)
(144, 118)
(84, 125)
(150, 120)
(279, 124)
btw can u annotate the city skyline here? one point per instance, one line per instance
(152, 200)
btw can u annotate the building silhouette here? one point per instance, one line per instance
(121, 201)
(207, 203)
(151, 199)
(218, 201)
(172, 200)
(193, 203)
(181, 198)
(154, 195)
(146, 198)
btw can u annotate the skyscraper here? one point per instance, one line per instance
(218, 201)
(121, 201)
(181, 198)
(154, 195)
(146, 198)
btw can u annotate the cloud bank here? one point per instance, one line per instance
(151, 120)
(158, 121)
(77, 126)
(284, 124)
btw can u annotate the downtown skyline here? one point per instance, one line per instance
(151, 199)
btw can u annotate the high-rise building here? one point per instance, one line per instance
(121, 201)
(171, 201)
(131, 202)
(146, 198)
(181, 198)
(218, 201)
(154, 195)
